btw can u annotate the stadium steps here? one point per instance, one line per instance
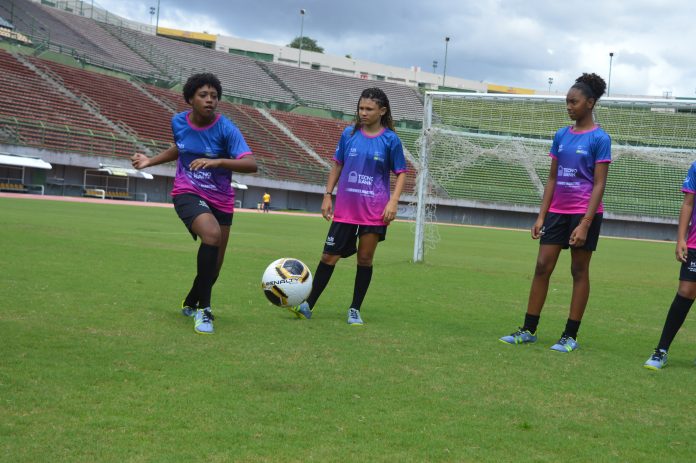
(39, 67)
(280, 82)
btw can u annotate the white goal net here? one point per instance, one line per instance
(491, 150)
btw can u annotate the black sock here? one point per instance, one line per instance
(321, 279)
(207, 270)
(192, 297)
(363, 276)
(571, 329)
(675, 318)
(530, 322)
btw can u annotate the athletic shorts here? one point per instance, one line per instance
(342, 238)
(688, 268)
(558, 227)
(189, 206)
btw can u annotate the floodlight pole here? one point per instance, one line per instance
(550, 82)
(157, 21)
(444, 69)
(611, 58)
(299, 59)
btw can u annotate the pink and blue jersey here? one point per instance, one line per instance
(689, 186)
(577, 154)
(363, 187)
(221, 139)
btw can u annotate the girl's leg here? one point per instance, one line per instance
(363, 275)
(209, 231)
(321, 277)
(545, 264)
(677, 313)
(192, 297)
(580, 270)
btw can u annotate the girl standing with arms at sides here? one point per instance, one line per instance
(208, 148)
(366, 153)
(686, 293)
(571, 210)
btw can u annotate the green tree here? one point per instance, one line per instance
(308, 44)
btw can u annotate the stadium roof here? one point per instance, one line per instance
(24, 161)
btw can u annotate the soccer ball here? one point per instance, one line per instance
(287, 282)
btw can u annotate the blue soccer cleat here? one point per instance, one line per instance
(354, 317)
(187, 310)
(203, 321)
(519, 337)
(302, 311)
(565, 344)
(657, 360)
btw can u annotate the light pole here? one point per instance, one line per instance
(157, 21)
(444, 68)
(152, 13)
(611, 58)
(299, 59)
(434, 65)
(550, 83)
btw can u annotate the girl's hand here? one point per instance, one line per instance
(682, 251)
(327, 208)
(579, 235)
(389, 212)
(536, 229)
(204, 163)
(140, 161)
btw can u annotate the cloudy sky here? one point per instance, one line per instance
(509, 42)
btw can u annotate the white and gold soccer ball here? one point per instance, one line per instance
(287, 282)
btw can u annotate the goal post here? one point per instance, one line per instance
(490, 151)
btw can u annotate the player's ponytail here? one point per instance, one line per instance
(591, 85)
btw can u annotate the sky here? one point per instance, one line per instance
(520, 43)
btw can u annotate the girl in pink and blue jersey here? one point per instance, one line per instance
(208, 147)
(366, 154)
(571, 210)
(686, 254)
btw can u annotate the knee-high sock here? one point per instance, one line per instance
(207, 269)
(363, 276)
(321, 279)
(192, 297)
(675, 318)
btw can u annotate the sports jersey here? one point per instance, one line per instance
(577, 154)
(689, 186)
(221, 139)
(363, 187)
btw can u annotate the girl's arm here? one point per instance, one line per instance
(683, 230)
(392, 206)
(327, 202)
(141, 161)
(546, 199)
(579, 235)
(245, 165)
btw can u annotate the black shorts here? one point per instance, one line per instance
(189, 206)
(688, 268)
(558, 227)
(342, 238)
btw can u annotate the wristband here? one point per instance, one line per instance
(328, 193)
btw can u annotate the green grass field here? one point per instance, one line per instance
(99, 366)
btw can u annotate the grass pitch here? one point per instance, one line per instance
(98, 364)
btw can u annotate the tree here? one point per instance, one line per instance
(308, 44)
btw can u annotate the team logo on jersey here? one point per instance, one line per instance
(354, 177)
(353, 152)
(180, 145)
(566, 172)
(560, 147)
(378, 157)
(581, 150)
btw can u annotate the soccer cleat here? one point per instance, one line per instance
(520, 336)
(302, 311)
(354, 317)
(657, 360)
(203, 321)
(565, 344)
(187, 310)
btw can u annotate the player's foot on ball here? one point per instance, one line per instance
(565, 344)
(187, 310)
(301, 311)
(657, 360)
(203, 321)
(354, 317)
(519, 337)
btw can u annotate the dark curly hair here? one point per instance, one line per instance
(377, 95)
(591, 85)
(197, 81)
